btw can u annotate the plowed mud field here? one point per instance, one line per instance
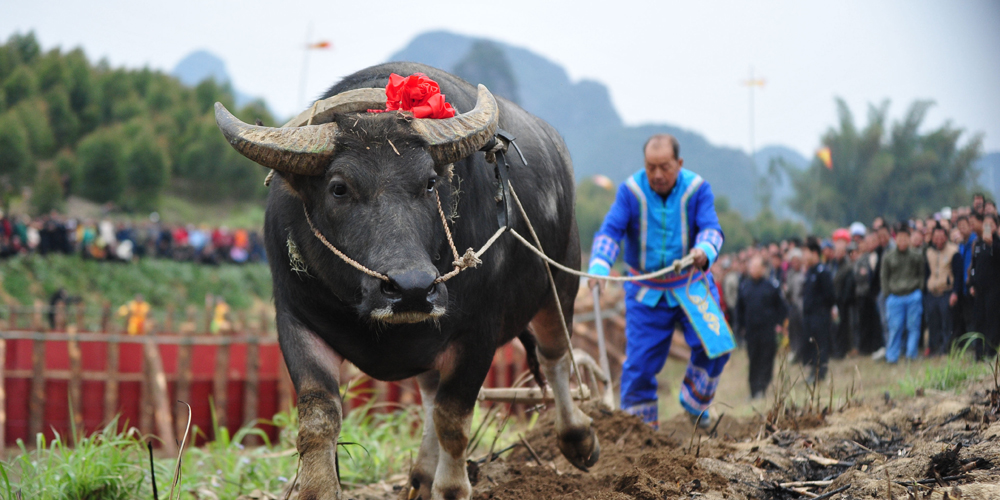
(934, 445)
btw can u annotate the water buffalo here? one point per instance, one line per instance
(369, 183)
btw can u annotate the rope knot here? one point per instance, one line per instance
(468, 260)
(491, 154)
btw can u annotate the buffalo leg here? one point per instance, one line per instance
(315, 372)
(460, 381)
(575, 436)
(422, 477)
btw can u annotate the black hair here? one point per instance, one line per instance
(813, 245)
(979, 195)
(961, 218)
(978, 216)
(939, 227)
(903, 228)
(673, 143)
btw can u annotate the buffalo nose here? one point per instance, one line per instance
(413, 287)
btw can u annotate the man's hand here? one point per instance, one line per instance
(953, 299)
(700, 259)
(592, 282)
(972, 291)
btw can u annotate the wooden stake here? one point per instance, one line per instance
(157, 385)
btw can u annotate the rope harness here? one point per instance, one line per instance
(472, 258)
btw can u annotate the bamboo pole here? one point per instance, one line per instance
(184, 376)
(111, 381)
(145, 395)
(530, 396)
(75, 385)
(36, 404)
(168, 322)
(252, 386)
(3, 397)
(220, 381)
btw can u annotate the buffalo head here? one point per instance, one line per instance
(370, 184)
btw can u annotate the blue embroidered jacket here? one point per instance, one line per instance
(657, 230)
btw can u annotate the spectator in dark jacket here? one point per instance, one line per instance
(869, 324)
(818, 299)
(984, 284)
(961, 265)
(843, 286)
(761, 311)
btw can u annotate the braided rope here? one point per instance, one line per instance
(338, 253)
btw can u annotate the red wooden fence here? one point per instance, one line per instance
(52, 380)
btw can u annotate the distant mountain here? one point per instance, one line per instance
(201, 65)
(583, 113)
(989, 165)
(769, 160)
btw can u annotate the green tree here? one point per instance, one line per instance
(20, 85)
(47, 194)
(83, 93)
(65, 124)
(69, 169)
(899, 174)
(102, 166)
(25, 46)
(52, 71)
(15, 157)
(34, 116)
(148, 171)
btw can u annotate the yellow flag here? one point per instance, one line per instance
(825, 156)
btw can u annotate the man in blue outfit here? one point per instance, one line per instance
(663, 213)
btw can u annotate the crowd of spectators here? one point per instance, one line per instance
(908, 289)
(126, 241)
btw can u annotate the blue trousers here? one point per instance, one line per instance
(904, 313)
(648, 333)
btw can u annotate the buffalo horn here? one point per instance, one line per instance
(451, 139)
(304, 150)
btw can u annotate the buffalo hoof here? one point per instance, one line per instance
(420, 487)
(580, 447)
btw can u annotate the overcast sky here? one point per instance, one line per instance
(664, 62)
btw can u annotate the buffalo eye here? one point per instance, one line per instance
(430, 184)
(338, 189)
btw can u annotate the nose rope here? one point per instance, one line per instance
(471, 258)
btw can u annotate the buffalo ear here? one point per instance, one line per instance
(296, 184)
(446, 171)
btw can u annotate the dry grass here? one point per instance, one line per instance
(869, 379)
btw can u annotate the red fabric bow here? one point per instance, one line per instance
(417, 94)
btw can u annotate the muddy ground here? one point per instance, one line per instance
(935, 445)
